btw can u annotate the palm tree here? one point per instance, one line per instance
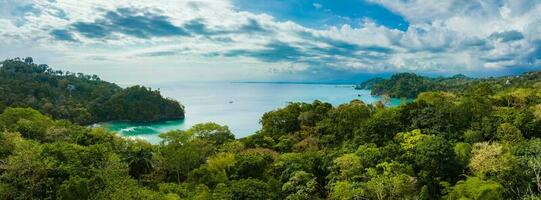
(139, 163)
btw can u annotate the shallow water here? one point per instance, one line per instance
(237, 105)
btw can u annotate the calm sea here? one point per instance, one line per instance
(237, 105)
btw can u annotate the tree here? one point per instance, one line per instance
(28, 60)
(283, 121)
(435, 159)
(245, 189)
(253, 163)
(341, 122)
(380, 127)
(301, 186)
(221, 192)
(345, 190)
(473, 136)
(316, 163)
(140, 160)
(389, 181)
(463, 153)
(75, 188)
(212, 132)
(180, 153)
(347, 167)
(25, 173)
(409, 140)
(476, 188)
(509, 133)
(202, 192)
(29, 122)
(529, 155)
(490, 159)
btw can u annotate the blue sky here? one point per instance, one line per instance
(261, 40)
(321, 14)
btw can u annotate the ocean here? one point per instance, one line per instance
(236, 105)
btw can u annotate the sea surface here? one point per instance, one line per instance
(237, 105)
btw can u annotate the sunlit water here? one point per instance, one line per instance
(237, 105)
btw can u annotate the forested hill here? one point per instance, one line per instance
(77, 97)
(410, 85)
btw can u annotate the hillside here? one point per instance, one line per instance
(410, 85)
(83, 99)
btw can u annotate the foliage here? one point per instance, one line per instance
(476, 188)
(80, 98)
(477, 141)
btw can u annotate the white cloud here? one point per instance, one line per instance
(442, 36)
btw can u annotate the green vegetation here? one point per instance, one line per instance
(481, 143)
(410, 85)
(80, 98)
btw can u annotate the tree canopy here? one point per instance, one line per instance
(480, 143)
(80, 98)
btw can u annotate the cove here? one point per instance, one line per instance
(237, 105)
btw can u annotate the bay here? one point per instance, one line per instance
(237, 105)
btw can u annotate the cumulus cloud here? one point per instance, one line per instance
(440, 36)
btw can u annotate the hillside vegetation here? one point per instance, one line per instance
(77, 97)
(479, 143)
(410, 85)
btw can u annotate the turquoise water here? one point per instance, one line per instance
(237, 105)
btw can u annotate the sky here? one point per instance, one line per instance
(156, 41)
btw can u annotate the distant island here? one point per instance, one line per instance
(410, 85)
(80, 98)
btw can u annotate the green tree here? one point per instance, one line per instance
(347, 167)
(435, 159)
(25, 173)
(301, 186)
(29, 122)
(75, 188)
(463, 153)
(140, 160)
(180, 153)
(253, 163)
(509, 133)
(212, 132)
(490, 159)
(345, 190)
(389, 181)
(250, 189)
(476, 188)
(221, 192)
